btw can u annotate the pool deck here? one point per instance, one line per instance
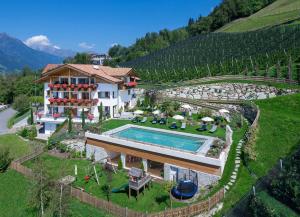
(198, 156)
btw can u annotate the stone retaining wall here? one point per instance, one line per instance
(226, 91)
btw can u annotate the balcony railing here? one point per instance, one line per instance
(74, 87)
(73, 101)
(131, 84)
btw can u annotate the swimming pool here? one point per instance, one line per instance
(169, 140)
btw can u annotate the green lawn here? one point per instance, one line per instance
(14, 196)
(278, 136)
(154, 199)
(16, 146)
(114, 123)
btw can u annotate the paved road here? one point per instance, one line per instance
(4, 117)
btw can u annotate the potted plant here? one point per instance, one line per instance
(39, 115)
(50, 86)
(85, 86)
(95, 101)
(64, 86)
(51, 100)
(56, 115)
(90, 117)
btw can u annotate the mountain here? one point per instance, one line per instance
(14, 55)
(53, 50)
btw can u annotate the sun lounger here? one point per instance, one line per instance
(173, 126)
(162, 121)
(183, 125)
(203, 127)
(213, 128)
(135, 120)
(144, 120)
(154, 121)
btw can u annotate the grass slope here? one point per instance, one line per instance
(278, 136)
(16, 146)
(281, 11)
(13, 196)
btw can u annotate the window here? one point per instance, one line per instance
(83, 80)
(73, 80)
(106, 110)
(55, 94)
(114, 94)
(64, 80)
(66, 95)
(48, 93)
(103, 95)
(92, 80)
(55, 110)
(84, 95)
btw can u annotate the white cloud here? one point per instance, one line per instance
(39, 41)
(85, 45)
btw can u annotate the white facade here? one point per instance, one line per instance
(113, 100)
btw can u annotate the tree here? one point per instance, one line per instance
(100, 111)
(21, 103)
(120, 164)
(5, 159)
(82, 119)
(69, 121)
(30, 120)
(168, 185)
(47, 197)
(106, 189)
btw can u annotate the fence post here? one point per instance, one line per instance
(126, 211)
(208, 204)
(253, 188)
(281, 164)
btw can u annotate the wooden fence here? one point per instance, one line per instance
(187, 211)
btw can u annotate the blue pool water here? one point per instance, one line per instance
(171, 140)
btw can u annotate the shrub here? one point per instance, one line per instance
(204, 113)
(4, 159)
(24, 133)
(32, 133)
(120, 164)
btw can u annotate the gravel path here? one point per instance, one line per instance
(4, 117)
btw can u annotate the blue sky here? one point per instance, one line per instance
(95, 24)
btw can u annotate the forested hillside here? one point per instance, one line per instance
(226, 12)
(268, 52)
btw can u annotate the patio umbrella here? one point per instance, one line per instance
(186, 106)
(207, 119)
(156, 112)
(138, 112)
(223, 111)
(178, 117)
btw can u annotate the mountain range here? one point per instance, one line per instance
(15, 55)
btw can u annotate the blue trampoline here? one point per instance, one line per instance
(184, 190)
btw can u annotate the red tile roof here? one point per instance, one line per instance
(105, 72)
